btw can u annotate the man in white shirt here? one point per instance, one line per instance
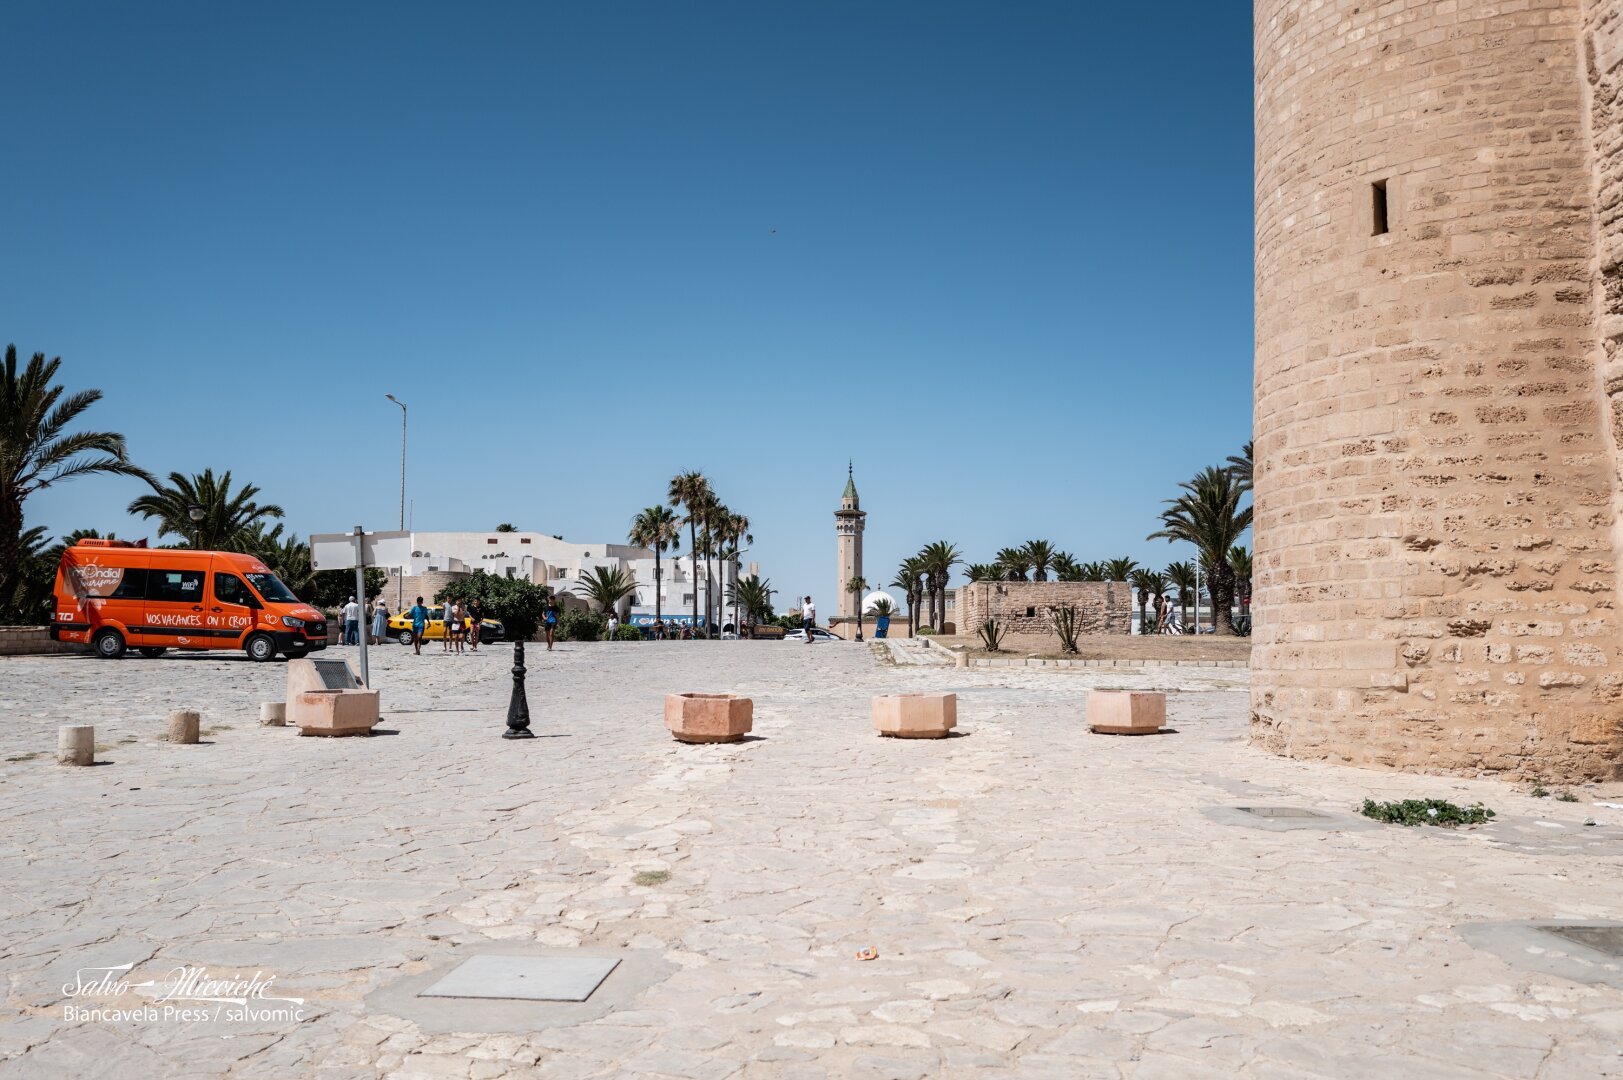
(614, 624)
(808, 618)
(352, 623)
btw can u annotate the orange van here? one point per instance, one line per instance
(116, 595)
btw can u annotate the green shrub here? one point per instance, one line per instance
(1426, 812)
(927, 631)
(627, 632)
(581, 626)
(517, 603)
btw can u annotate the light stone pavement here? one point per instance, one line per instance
(1045, 902)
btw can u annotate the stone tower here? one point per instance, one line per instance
(848, 522)
(1439, 384)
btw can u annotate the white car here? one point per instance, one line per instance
(817, 634)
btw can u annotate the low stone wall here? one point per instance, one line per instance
(34, 641)
(1022, 607)
(1014, 662)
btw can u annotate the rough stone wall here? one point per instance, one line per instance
(1603, 63)
(1102, 607)
(1434, 583)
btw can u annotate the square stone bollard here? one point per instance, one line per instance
(323, 698)
(1127, 712)
(336, 712)
(707, 718)
(76, 744)
(915, 716)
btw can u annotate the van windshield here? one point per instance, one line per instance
(270, 587)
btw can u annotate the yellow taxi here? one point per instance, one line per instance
(490, 631)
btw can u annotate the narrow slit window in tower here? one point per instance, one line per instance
(1378, 204)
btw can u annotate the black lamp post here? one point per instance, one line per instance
(196, 514)
(518, 706)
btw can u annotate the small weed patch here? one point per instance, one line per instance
(1540, 792)
(650, 878)
(23, 757)
(1426, 812)
(1566, 796)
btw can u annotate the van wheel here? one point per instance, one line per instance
(151, 652)
(109, 645)
(260, 648)
(406, 637)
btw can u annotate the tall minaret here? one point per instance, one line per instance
(848, 521)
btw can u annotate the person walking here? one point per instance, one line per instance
(476, 618)
(380, 621)
(549, 621)
(614, 624)
(459, 627)
(448, 620)
(808, 618)
(352, 622)
(419, 624)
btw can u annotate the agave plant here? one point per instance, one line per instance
(1065, 625)
(991, 635)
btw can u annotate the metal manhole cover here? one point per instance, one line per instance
(524, 978)
(1275, 812)
(1606, 939)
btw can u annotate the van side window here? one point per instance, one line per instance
(133, 586)
(176, 586)
(229, 589)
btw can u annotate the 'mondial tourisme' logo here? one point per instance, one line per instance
(183, 994)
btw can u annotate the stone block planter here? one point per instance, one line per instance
(1127, 712)
(707, 718)
(915, 716)
(335, 712)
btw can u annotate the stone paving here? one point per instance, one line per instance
(1044, 902)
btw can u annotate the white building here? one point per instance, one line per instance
(559, 563)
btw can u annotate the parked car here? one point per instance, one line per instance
(817, 633)
(490, 631)
(113, 595)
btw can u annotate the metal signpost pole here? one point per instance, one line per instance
(360, 598)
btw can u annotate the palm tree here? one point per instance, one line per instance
(857, 586)
(1208, 515)
(754, 596)
(228, 517)
(37, 451)
(32, 581)
(656, 528)
(1240, 563)
(1066, 568)
(735, 534)
(1041, 555)
(506, 527)
(607, 585)
(910, 579)
(1181, 575)
(1014, 562)
(1139, 582)
(690, 491)
(939, 559)
(1094, 571)
(1120, 569)
(981, 572)
(1240, 464)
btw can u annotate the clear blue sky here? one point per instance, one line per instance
(1000, 254)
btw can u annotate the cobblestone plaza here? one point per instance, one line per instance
(1043, 901)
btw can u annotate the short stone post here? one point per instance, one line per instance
(183, 726)
(273, 713)
(75, 744)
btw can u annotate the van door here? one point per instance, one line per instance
(233, 605)
(174, 608)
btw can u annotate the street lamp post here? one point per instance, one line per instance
(400, 586)
(196, 514)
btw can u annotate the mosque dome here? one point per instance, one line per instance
(874, 597)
